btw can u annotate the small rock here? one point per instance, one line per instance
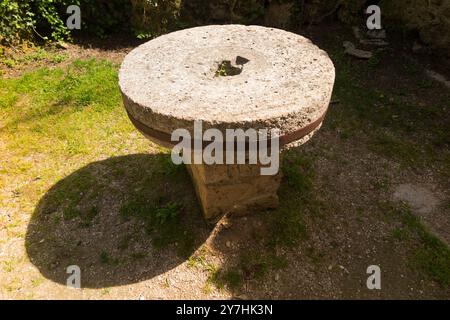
(344, 268)
(226, 224)
(277, 277)
(228, 244)
(377, 34)
(438, 77)
(417, 197)
(350, 49)
(374, 42)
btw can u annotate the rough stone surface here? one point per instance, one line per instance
(233, 189)
(280, 81)
(170, 81)
(420, 199)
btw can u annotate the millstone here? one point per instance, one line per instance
(230, 76)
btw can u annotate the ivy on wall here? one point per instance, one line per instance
(46, 19)
(35, 19)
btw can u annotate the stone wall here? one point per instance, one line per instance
(429, 18)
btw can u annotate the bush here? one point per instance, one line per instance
(16, 20)
(47, 18)
(151, 18)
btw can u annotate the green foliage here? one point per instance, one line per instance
(20, 20)
(46, 19)
(161, 217)
(106, 258)
(429, 254)
(287, 225)
(16, 20)
(298, 171)
(433, 255)
(221, 278)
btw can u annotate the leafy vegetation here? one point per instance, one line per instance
(430, 254)
(46, 19)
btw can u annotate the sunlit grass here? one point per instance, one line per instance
(55, 120)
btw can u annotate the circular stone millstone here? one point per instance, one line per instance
(229, 76)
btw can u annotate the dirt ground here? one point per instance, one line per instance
(350, 198)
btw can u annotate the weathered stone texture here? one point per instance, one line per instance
(233, 189)
(285, 82)
(170, 82)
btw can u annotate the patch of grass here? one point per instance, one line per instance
(391, 121)
(395, 148)
(287, 226)
(166, 283)
(230, 278)
(198, 258)
(297, 199)
(400, 234)
(14, 285)
(74, 194)
(298, 171)
(434, 260)
(10, 63)
(106, 258)
(52, 120)
(430, 255)
(106, 291)
(88, 217)
(58, 58)
(37, 282)
(36, 55)
(167, 213)
(374, 61)
(10, 265)
(166, 167)
(61, 112)
(138, 255)
(433, 257)
(256, 265)
(162, 221)
(71, 213)
(251, 266)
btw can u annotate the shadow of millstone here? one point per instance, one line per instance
(121, 220)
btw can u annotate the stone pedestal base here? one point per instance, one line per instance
(233, 189)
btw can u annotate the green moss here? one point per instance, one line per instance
(161, 221)
(230, 278)
(429, 254)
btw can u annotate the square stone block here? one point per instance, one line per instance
(233, 189)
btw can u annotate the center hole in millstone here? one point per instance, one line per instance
(227, 68)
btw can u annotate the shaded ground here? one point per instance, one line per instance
(80, 186)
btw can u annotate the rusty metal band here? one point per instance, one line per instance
(285, 139)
